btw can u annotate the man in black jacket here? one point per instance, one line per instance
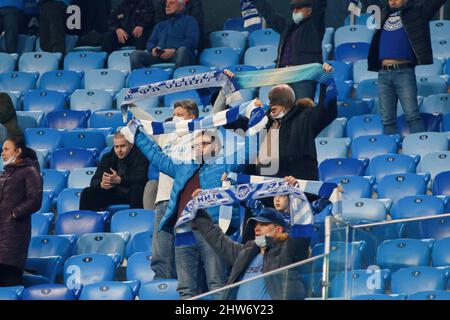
(301, 37)
(403, 42)
(131, 25)
(119, 179)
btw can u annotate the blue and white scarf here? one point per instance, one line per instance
(250, 14)
(355, 7)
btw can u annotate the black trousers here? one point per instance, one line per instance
(98, 199)
(10, 20)
(52, 26)
(10, 276)
(110, 42)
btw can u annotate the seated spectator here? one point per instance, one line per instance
(119, 179)
(172, 41)
(8, 119)
(52, 25)
(131, 24)
(272, 248)
(11, 12)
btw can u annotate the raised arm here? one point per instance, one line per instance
(326, 110)
(275, 20)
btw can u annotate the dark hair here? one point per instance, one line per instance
(27, 153)
(282, 95)
(189, 105)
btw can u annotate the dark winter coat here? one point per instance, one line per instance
(8, 116)
(132, 13)
(20, 194)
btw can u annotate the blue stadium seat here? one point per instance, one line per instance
(430, 295)
(355, 186)
(159, 290)
(380, 297)
(417, 206)
(71, 158)
(342, 71)
(170, 99)
(367, 89)
(435, 228)
(46, 139)
(352, 52)
(335, 129)
(417, 279)
(80, 178)
(397, 186)
(263, 95)
(139, 267)
(349, 108)
(429, 85)
(141, 77)
(357, 281)
(261, 56)
(83, 139)
(441, 48)
(332, 168)
(39, 62)
(372, 146)
(352, 34)
(264, 37)
(24, 43)
(435, 163)
(11, 293)
(18, 82)
(133, 221)
(359, 211)
(107, 243)
(238, 25)
(142, 242)
(441, 184)
(439, 29)
(402, 253)
(68, 200)
(327, 148)
(48, 292)
(68, 119)
(364, 125)
(47, 198)
(43, 100)
(344, 90)
(92, 100)
(432, 122)
(228, 38)
(8, 62)
(112, 81)
(437, 103)
(446, 123)
(51, 246)
(424, 143)
(84, 61)
(190, 71)
(110, 290)
(219, 57)
(339, 260)
(434, 69)
(441, 255)
(361, 73)
(54, 181)
(40, 223)
(41, 270)
(106, 119)
(90, 268)
(327, 43)
(387, 164)
(80, 222)
(120, 60)
(29, 119)
(63, 81)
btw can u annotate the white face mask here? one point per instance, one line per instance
(297, 17)
(278, 116)
(261, 241)
(177, 119)
(9, 161)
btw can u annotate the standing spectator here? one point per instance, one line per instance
(11, 13)
(21, 195)
(131, 23)
(119, 179)
(8, 118)
(403, 42)
(173, 40)
(52, 25)
(301, 37)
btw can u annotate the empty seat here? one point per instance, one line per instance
(139, 267)
(352, 52)
(46, 139)
(40, 223)
(142, 77)
(397, 186)
(264, 37)
(110, 290)
(360, 211)
(372, 146)
(401, 253)
(48, 292)
(435, 228)
(84, 60)
(335, 129)
(43, 100)
(29, 119)
(356, 33)
(142, 242)
(120, 60)
(54, 181)
(332, 168)
(219, 57)
(228, 38)
(8, 62)
(441, 253)
(11, 293)
(367, 89)
(68, 200)
(71, 158)
(417, 279)
(68, 119)
(106, 119)
(439, 29)
(441, 48)
(349, 108)
(83, 139)
(111, 81)
(441, 184)
(50, 246)
(80, 178)
(63, 81)
(437, 103)
(80, 222)
(343, 256)
(361, 73)
(327, 148)
(355, 186)
(261, 56)
(39, 62)
(24, 43)
(357, 283)
(434, 69)
(388, 164)
(342, 71)
(107, 243)
(424, 143)
(18, 82)
(92, 100)
(432, 122)
(435, 163)
(417, 206)
(429, 85)
(159, 290)
(430, 295)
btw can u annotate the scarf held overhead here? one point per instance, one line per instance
(250, 14)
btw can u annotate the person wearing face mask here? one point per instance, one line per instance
(301, 37)
(276, 244)
(21, 189)
(402, 43)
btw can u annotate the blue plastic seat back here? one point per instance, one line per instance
(363, 210)
(397, 186)
(92, 100)
(437, 103)
(355, 33)
(40, 223)
(352, 107)
(441, 184)
(403, 253)
(261, 56)
(342, 71)
(120, 60)
(68, 200)
(107, 290)
(439, 29)
(18, 82)
(89, 268)
(84, 60)
(79, 223)
(68, 119)
(109, 80)
(63, 81)
(11, 293)
(241, 68)
(435, 163)
(432, 122)
(187, 71)
(352, 52)
(48, 292)
(332, 168)
(141, 77)
(107, 243)
(54, 181)
(335, 129)
(327, 148)
(47, 200)
(338, 261)
(84, 139)
(43, 139)
(435, 228)
(430, 295)
(106, 119)
(139, 267)
(372, 146)
(357, 281)
(426, 142)
(133, 221)
(8, 62)
(441, 254)
(142, 242)
(219, 57)
(446, 123)
(417, 206)
(355, 186)
(40, 62)
(159, 290)
(264, 37)
(367, 89)
(416, 279)
(434, 69)
(47, 246)
(383, 165)
(228, 38)
(80, 178)
(43, 100)
(71, 158)
(429, 85)
(361, 73)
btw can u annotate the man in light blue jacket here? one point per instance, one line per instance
(205, 173)
(11, 12)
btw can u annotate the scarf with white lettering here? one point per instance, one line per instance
(250, 14)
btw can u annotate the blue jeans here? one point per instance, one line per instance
(10, 19)
(163, 247)
(395, 85)
(144, 59)
(194, 261)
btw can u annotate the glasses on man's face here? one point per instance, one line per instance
(203, 144)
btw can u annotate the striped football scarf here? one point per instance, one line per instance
(250, 14)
